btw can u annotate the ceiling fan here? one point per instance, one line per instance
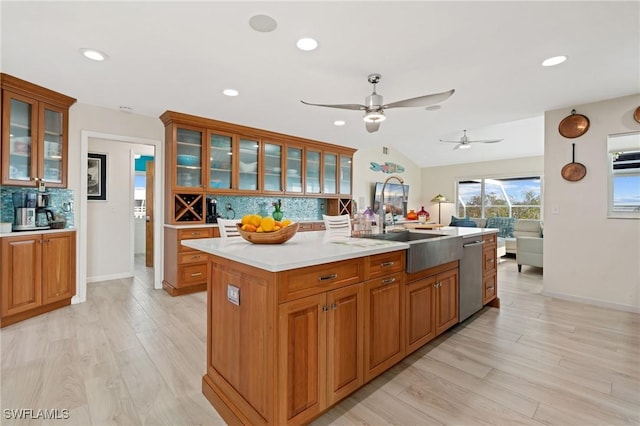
(374, 106)
(465, 142)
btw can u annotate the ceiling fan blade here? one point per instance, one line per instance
(457, 146)
(356, 107)
(442, 140)
(421, 101)
(372, 126)
(487, 141)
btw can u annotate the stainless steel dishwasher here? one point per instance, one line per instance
(470, 287)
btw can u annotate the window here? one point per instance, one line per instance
(624, 175)
(519, 197)
(139, 195)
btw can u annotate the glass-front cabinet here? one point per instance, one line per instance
(188, 159)
(294, 169)
(249, 164)
(34, 134)
(312, 171)
(330, 173)
(272, 174)
(345, 175)
(221, 165)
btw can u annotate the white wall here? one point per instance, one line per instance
(109, 237)
(587, 256)
(364, 178)
(442, 180)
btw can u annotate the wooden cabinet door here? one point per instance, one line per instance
(446, 300)
(302, 359)
(344, 341)
(58, 267)
(382, 324)
(21, 274)
(419, 313)
(52, 145)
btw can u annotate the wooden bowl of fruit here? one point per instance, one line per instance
(268, 231)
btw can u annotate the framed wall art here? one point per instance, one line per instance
(97, 177)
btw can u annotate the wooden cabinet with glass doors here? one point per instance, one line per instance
(35, 123)
(205, 156)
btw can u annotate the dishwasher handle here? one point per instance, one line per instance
(475, 243)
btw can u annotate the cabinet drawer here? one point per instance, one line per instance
(311, 280)
(490, 238)
(489, 256)
(305, 227)
(192, 257)
(386, 263)
(191, 274)
(190, 234)
(489, 288)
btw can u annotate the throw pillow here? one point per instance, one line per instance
(464, 223)
(457, 219)
(504, 224)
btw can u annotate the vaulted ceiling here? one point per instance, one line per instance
(181, 55)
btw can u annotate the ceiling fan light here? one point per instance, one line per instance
(465, 146)
(374, 116)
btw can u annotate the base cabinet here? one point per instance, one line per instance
(490, 271)
(431, 304)
(383, 324)
(322, 341)
(38, 274)
(185, 270)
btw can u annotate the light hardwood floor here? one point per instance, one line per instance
(132, 355)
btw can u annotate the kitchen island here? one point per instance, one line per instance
(294, 328)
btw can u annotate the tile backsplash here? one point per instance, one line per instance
(299, 209)
(58, 197)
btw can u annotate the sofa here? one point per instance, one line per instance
(529, 252)
(521, 228)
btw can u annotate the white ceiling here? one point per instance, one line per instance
(180, 55)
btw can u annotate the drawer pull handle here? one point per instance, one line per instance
(197, 256)
(388, 280)
(196, 274)
(385, 264)
(328, 277)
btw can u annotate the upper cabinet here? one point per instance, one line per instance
(35, 123)
(206, 156)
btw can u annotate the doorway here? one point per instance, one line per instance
(83, 222)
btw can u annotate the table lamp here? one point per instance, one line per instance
(439, 199)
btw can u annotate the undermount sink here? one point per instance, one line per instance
(425, 250)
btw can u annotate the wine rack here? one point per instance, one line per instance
(189, 208)
(339, 206)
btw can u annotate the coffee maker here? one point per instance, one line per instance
(212, 210)
(24, 205)
(44, 216)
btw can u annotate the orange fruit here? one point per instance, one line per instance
(249, 227)
(259, 229)
(285, 222)
(255, 220)
(267, 224)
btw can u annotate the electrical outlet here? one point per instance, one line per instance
(233, 294)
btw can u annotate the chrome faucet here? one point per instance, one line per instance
(382, 209)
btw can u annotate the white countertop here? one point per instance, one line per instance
(304, 249)
(458, 231)
(215, 225)
(35, 232)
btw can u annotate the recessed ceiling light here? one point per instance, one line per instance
(230, 92)
(433, 107)
(556, 60)
(263, 23)
(307, 44)
(93, 54)
(339, 122)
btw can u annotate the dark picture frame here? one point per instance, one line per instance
(97, 177)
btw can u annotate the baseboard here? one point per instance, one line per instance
(594, 302)
(109, 277)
